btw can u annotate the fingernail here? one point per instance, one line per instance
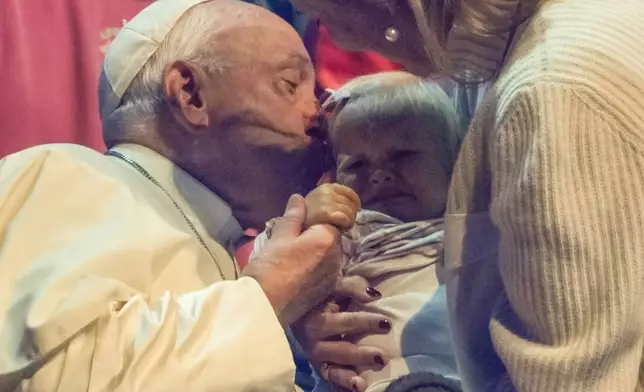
(324, 371)
(378, 359)
(354, 387)
(292, 202)
(384, 325)
(373, 292)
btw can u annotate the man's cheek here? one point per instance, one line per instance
(290, 122)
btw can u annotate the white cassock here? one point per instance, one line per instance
(104, 285)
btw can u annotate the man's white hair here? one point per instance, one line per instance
(189, 40)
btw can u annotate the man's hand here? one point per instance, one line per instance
(297, 270)
(320, 333)
(332, 204)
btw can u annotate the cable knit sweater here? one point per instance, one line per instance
(545, 224)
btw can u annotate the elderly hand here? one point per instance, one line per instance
(320, 333)
(333, 204)
(297, 269)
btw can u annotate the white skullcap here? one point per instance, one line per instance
(133, 46)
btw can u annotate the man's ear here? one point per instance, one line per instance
(184, 85)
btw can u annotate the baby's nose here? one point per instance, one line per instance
(380, 176)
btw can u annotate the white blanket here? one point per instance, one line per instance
(403, 262)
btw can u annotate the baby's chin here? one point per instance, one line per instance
(405, 210)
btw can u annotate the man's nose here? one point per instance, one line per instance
(312, 121)
(381, 177)
(310, 112)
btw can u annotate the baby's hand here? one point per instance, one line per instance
(332, 204)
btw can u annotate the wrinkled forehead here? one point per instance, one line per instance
(272, 41)
(264, 47)
(260, 33)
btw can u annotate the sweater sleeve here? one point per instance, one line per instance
(567, 198)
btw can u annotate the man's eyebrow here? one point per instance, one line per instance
(295, 59)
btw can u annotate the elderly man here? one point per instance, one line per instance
(115, 270)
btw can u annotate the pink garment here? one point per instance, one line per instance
(335, 66)
(242, 254)
(50, 59)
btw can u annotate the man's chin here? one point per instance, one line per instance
(296, 171)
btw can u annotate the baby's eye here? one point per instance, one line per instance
(403, 154)
(354, 165)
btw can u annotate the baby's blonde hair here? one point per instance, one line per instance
(397, 93)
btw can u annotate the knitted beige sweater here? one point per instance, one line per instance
(545, 225)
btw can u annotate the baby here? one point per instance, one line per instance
(395, 138)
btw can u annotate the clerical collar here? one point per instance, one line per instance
(197, 201)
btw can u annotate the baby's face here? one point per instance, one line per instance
(392, 163)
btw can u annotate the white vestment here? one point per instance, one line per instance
(104, 286)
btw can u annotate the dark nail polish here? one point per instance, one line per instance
(384, 325)
(378, 359)
(354, 387)
(373, 292)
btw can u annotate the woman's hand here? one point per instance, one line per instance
(320, 333)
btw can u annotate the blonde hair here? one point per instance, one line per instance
(395, 93)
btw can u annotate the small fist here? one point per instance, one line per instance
(332, 204)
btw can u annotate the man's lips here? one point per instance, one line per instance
(285, 139)
(319, 133)
(288, 134)
(278, 135)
